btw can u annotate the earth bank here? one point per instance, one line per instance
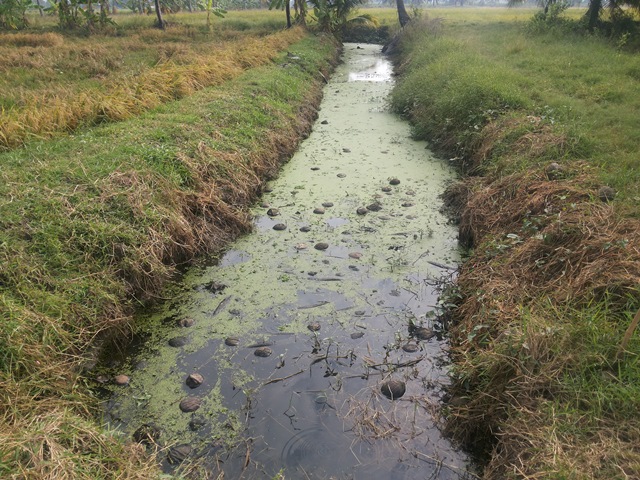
(94, 224)
(543, 307)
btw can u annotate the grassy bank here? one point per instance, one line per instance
(545, 127)
(93, 224)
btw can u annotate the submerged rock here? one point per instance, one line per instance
(357, 335)
(423, 333)
(393, 389)
(147, 434)
(179, 453)
(194, 380)
(178, 341)
(262, 352)
(197, 422)
(190, 404)
(232, 341)
(410, 347)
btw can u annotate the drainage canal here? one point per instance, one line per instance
(312, 348)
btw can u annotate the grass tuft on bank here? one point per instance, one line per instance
(545, 127)
(95, 223)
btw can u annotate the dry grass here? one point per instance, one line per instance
(179, 70)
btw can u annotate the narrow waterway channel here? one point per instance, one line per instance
(278, 357)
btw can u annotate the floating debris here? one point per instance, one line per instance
(194, 380)
(262, 352)
(393, 389)
(232, 341)
(197, 422)
(279, 226)
(190, 404)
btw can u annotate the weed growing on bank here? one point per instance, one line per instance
(544, 344)
(93, 224)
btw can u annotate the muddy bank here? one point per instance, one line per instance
(313, 346)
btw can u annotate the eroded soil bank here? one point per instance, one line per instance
(278, 358)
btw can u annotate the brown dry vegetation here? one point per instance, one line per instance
(98, 81)
(542, 246)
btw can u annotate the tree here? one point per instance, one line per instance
(403, 16)
(160, 24)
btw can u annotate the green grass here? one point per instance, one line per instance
(487, 65)
(93, 224)
(550, 288)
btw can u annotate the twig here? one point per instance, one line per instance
(275, 380)
(221, 305)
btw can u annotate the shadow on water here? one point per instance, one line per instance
(313, 347)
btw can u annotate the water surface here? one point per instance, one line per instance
(314, 407)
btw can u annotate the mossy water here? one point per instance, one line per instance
(338, 293)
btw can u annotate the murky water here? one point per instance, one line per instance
(314, 407)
